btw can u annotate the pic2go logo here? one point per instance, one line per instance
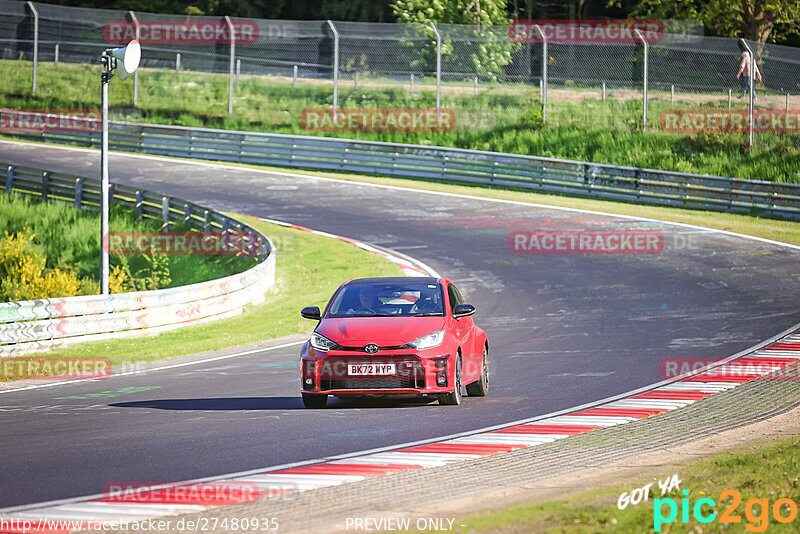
(756, 511)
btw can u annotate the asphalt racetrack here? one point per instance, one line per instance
(564, 329)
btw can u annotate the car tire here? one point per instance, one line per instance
(313, 400)
(454, 397)
(480, 387)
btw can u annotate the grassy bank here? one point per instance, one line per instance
(309, 269)
(501, 118)
(69, 239)
(767, 471)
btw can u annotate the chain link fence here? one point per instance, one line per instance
(487, 76)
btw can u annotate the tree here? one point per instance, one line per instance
(483, 49)
(757, 20)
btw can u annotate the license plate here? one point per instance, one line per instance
(370, 369)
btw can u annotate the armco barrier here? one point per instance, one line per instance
(41, 324)
(647, 186)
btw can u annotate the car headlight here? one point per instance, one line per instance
(320, 342)
(427, 342)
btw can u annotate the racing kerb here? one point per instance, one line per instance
(33, 325)
(770, 358)
(614, 182)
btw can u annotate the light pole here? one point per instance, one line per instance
(124, 61)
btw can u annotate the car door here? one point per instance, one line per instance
(463, 328)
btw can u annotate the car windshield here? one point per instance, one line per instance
(387, 300)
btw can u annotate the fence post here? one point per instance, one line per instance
(164, 214)
(45, 185)
(355, 82)
(294, 76)
(187, 216)
(411, 88)
(476, 85)
(750, 76)
(55, 57)
(135, 21)
(640, 35)
(544, 73)
(35, 42)
(335, 68)
(10, 179)
(238, 69)
(729, 98)
(177, 63)
(139, 205)
(672, 94)
(438, 68)
(231, 66)
(604, 91)
(78, 192)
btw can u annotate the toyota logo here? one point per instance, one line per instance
(372, 348)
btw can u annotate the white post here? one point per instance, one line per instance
(476, 85)
(55, 57)
(438, 69)
(355, 82)
(238, 69)
(544, 73)
(294, 77)
(135, 21)
(604, 91)
(230, 66)
(729, 99)
(177, 62)
(335, 69)
(640, 35)
(35, 42)
(411, 87)
(672, 94)
(104, 197)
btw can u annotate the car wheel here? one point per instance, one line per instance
(454, 398)
(480, 387)
(313, 400)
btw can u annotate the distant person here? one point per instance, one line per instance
(744, 68)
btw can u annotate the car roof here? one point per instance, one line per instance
(394, 280)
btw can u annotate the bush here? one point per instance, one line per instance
(23, 275)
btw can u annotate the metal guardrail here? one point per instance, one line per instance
(32, 325)
(648, 186)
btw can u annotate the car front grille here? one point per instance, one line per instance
(409, 374)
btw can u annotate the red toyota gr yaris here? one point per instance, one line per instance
(394, 337)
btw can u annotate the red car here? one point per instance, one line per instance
(394, 337)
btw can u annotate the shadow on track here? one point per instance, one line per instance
(218, 403)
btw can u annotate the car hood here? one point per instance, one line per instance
(383, 331)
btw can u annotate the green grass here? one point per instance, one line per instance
(309, 269)
(499, 118)
(69, 238)
(767, 470)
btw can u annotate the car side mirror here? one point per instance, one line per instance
(463, 310)
(311, 312)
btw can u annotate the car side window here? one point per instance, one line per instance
(455, 296)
